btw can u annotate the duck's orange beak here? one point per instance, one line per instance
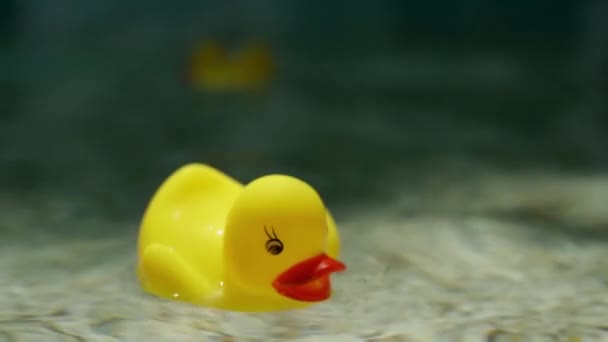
(308, 281)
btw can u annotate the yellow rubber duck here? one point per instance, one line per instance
(209, 240)
(213, 69)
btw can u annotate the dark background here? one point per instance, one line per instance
(93, 103)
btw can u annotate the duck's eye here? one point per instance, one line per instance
(274, 246)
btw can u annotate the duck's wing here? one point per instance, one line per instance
(162, 271)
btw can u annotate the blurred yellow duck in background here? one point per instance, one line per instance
(209, 240)
(212, 68)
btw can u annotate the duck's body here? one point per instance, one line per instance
(183, 237)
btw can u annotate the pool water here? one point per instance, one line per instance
(500, 256)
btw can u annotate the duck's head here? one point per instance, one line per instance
(276, 240)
